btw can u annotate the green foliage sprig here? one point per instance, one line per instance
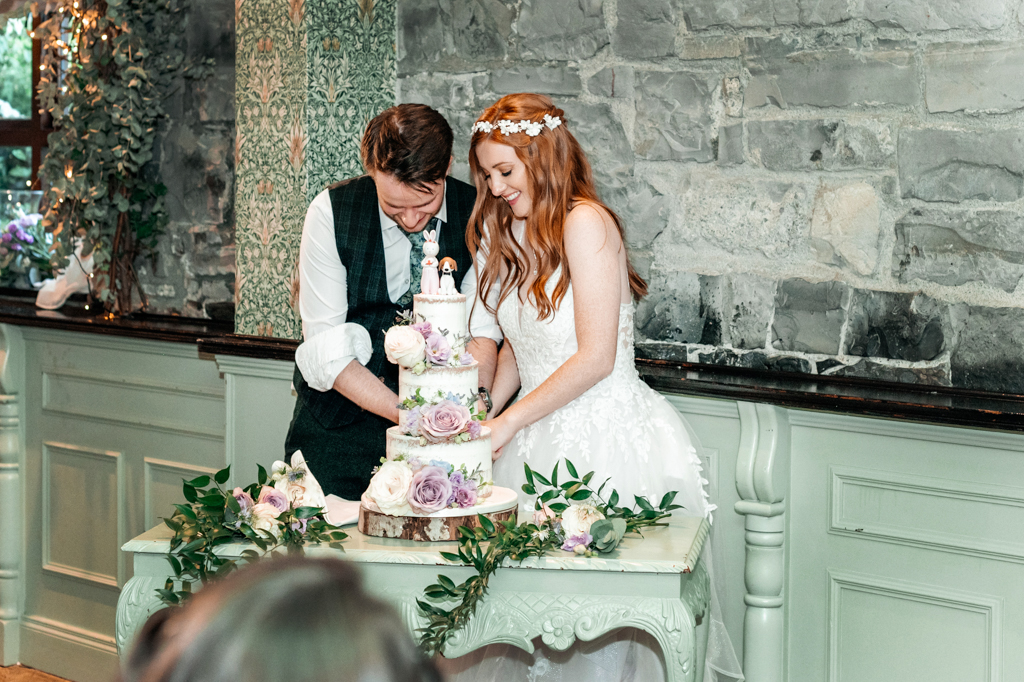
(107, 65)
(212, 517)
(492, 545)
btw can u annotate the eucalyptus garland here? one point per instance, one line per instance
(107, 65)
(492, 545)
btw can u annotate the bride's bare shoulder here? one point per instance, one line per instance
(589, 221)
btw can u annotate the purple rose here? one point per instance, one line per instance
(473, 428)
(21, 234)
(12, 228)
(466, 358)
(581, 540)
(274, 498)
(457, 479)
(438, 350)
(300, 525)
(244, 499)
(412, 422)
(16, 247)
(28, 239)
(465, 495)
(423, 328)
(6, 237)
(429, 491)
(440, 422)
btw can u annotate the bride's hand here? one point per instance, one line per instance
(501, 434)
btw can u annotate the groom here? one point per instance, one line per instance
(359, 267)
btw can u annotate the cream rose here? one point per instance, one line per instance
(389, 487)
(404, 346)
(578, 518)
(264, 517)
(304, 491)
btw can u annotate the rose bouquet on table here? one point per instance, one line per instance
(570, 516)
(413, 343)
(285, 509)
(24, 246)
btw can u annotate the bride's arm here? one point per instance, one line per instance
(593, 249)
(506, 378)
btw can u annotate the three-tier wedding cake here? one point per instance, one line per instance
(438, 459)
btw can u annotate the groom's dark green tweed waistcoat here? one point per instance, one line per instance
(340, 441)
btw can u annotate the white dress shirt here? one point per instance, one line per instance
(330, 341)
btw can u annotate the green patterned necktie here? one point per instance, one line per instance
(415, 264)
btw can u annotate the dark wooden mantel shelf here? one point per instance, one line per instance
(930, 404)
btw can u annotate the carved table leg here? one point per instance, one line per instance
(10, 528)
(138, 601)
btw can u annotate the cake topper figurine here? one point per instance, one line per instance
(428, 280)
(448, 266)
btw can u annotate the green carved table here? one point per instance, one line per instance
(655, 584)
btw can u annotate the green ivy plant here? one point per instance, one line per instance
(107, 65)
(491, 545)
(212, 516)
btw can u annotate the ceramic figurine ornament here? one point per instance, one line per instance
(448, 266)
(428, 281)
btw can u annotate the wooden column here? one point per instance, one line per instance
(762, 481)
(11, 579)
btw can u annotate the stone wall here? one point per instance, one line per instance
(826, 187)
(194, 271)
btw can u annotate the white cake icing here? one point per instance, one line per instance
(444, 315)
(474, 453)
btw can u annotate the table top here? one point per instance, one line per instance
(671, 549)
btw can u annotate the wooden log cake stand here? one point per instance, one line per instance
(440, 527)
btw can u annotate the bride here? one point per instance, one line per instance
(556, 273)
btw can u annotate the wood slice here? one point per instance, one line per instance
(423, 528)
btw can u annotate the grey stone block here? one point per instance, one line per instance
(602, 137)
(645, 216)
(828, 77)
(740, 216)
(897, 326)
(701, 14)
(671, 311)
(954, 248)
(662, 350)
(809, 316)
(452, 34)
(751, 302)
(710, 47)
(548, 80)
(845, 226)
(645, 29)
(756, 360)
(938, 375)
(954, 165)
(730, 145)
(612, 81)
(822, 144)
(982, 77)
(561, 29)
(673, 119)
(909, 15)
(987, 356)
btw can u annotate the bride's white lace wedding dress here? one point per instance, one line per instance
(620, 429)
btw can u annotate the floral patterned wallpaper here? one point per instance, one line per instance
(310, 74)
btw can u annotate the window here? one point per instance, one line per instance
(23, 129)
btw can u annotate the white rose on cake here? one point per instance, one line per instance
(578, 519)
(389, 487)
(404, 346)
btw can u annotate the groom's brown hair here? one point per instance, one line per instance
(412, 142)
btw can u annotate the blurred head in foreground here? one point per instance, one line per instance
(282, 620)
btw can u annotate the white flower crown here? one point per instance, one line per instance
(531, 128)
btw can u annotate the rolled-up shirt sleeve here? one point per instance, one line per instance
(481, 321)
(330, 341)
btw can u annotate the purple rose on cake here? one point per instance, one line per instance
(465, 495)
(473, 429)
(466, 358)
(438, 350)
(423, 328)
(440, 422)
(430, 490)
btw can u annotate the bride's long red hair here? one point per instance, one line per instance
(560, 177)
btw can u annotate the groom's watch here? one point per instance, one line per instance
(485, 396)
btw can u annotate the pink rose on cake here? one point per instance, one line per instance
(404, 346)
(390, 486)
(430, 490)
(438, 350)
(442, 421)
